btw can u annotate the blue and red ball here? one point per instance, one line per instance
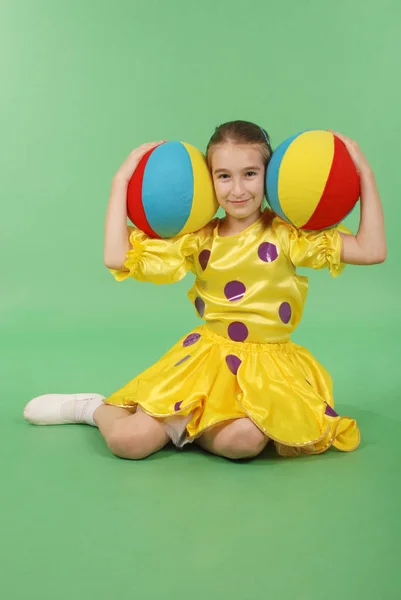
(171, 191)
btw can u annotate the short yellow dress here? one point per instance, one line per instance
(241, 362)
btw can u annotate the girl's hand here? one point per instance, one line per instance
(359, 159)
(128, 167)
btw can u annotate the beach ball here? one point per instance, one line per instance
(311, 180)
(171, 191)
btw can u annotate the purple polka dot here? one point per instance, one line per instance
(285, 312)
(233, 363)
(237, 331)
(234, 291)
(204, 258)
(191, 339)
(200, 306)
(330, 411)
(182, 360)
(177, 405)
(267, 252)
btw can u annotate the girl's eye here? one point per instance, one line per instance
(248, 174)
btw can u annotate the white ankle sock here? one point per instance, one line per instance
(58, 409)
(80, 410)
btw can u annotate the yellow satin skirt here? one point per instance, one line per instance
(207, 379)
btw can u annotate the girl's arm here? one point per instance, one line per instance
(116, 242)
(368, 246)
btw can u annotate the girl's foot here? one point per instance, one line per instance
(60, 409)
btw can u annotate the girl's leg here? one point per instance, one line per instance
(235, 439)
(132, 436)
(128, 435)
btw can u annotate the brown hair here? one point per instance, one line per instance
(240, 132)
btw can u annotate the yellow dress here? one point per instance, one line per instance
(241, 361)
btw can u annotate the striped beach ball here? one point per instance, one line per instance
(311, 180)
(171, 191)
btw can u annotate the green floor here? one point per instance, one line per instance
(78, 523)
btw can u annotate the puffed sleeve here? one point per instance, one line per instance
(317, 249)
(157, 260)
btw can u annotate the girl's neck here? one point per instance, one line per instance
(232, 226)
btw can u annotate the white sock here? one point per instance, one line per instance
(58, 409)
(81, 410)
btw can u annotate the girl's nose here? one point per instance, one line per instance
(237, 190)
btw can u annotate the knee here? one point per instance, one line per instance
(244, 440)
(131, 445)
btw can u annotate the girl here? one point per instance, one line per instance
(237, 381)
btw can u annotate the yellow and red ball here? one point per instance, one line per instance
(311, 180)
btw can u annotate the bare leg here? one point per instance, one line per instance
(132, 436)
(235, 440)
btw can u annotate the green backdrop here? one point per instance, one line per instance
(82, 83)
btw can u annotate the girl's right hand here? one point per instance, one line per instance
(128, 167)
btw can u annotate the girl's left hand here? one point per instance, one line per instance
(360, 161)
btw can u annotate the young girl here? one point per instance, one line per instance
(237, 381)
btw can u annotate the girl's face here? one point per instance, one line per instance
(238, 172)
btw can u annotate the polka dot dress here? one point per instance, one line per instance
(247, 292)
(240, 361)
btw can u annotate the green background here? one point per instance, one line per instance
(82, 83)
